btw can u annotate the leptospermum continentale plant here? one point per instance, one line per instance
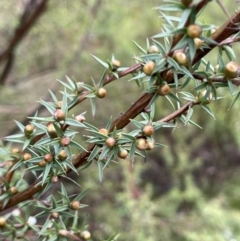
(171, 61)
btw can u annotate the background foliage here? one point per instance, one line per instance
(187, 191)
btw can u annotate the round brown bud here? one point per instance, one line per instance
(216, 68)
(115, 64)
(3, 222)
(141, 144)
(13, 190)
(59, 115)
(62, 155)
(59, 104)
(231, 70)
(28, 130)
(75, 205)
(51, 130)
(27, 156)
(54, 179)
(150, 145)
(85, 234)
(42, 163)
(180, 57)
(16, 150)
(110, 142)
(153, 50)
(101, 93)
(104, 131)
(201, 97)
(55, 215)
(80, 118)
(122, 153)
(194, 31)
(63, 232)
(148, 130)
(186, 3)
(198, 43)
(149, 67)
(164, 90)
(48, 157)
(65, 141)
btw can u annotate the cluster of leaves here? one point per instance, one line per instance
(172, 62)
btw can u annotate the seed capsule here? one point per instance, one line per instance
(28, 130)
(75, 205)
(85, 234)
(148, 130)
(110, 142)
(149, 67)
(141, 144)
(104, 131)
(164, 90)
(27, 156)
(231, 70)
(122, 153)
(59, 115)
(62, 155)
(51, 130)
(180, 57)
(101, 93)
(194, 31)
(65, 141)
(153, 50)
(14, 190)
(115, 64)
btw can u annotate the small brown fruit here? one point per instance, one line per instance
(180, 57)
(186, 3)
(55, 215)
(141, 144)
(27, 156)
(42, 163)
(164, 90)
(65, 141)
(198, 43)
(149, 67)
(101, 93)
(148, 130)
(151, 145)
(62, 155)
(110, 142)
(194, 31)
(104, 131)
(59, 115)
(54, 179)
(80, 118)
(14, 190)
(63, 232)
(51, 130)
(75, 205)
(28, 130)
(115, 64)
(85, 234)
(153, 50)
(48, 157)
(122, 153)
(59, 104)
(216, 68)
(3, 222)
(231, 70)
(201, 97)
(16, 150)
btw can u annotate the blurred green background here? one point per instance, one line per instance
(187, 191)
